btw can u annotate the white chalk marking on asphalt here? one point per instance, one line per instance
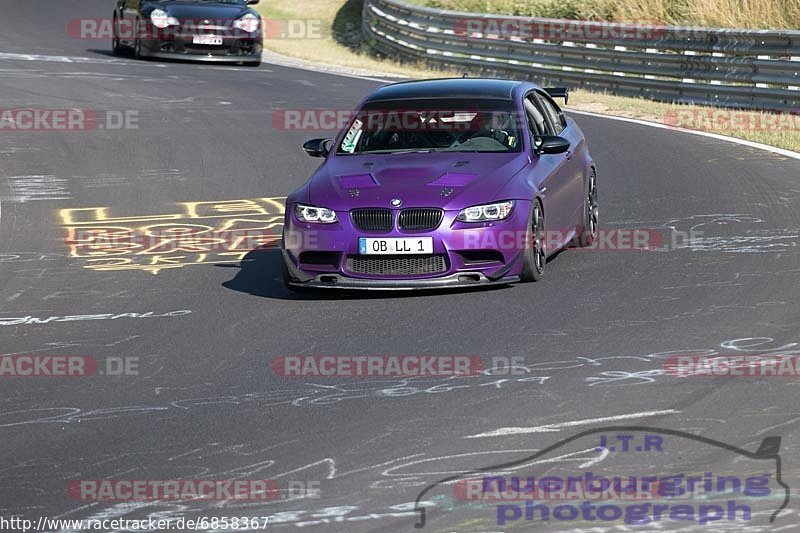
(57, 59)
(17, 321)
(547, 428)
(605, 452)
(29, 188)
(751, 144)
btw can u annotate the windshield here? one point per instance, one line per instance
(433, 125)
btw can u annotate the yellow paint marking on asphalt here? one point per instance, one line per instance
(209, 232)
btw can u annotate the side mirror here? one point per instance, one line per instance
(549, 144)
(316, 147)
(251, 2)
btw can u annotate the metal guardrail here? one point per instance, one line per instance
(756, 69)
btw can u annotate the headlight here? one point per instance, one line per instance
(319, 215)
(248, 23)
(161, 20)
(485, 213)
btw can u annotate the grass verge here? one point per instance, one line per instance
(332, 37)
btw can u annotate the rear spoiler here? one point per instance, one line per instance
(558, 92)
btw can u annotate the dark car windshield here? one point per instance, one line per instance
(433, 125)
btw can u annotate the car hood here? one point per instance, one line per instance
(447, 180)
(206, 10)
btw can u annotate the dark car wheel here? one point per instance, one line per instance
(251, 63)
(587, 233)
(116, 47)
(137, 42)
(534, 258)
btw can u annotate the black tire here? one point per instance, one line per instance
(116, 47)
(137, 42)
(251, 63)
(587, 233)
(534, 255)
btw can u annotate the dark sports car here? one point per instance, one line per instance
(200, 30)
(442, 183)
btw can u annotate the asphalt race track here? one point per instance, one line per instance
(204, 328)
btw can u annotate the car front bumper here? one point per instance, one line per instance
(233, 50)
(464, 255)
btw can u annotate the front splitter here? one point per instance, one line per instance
(453, 281)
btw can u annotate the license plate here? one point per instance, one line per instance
(207, 39)
(395, 246)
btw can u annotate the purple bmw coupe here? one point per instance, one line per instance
(442, 183)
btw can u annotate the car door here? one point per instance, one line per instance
(552, 175)
(573, 170)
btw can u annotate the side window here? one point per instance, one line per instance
(554, 115)
(536, 120)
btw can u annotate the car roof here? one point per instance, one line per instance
(448, 88)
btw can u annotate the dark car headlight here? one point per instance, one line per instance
(486, 212)
(315, 215)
